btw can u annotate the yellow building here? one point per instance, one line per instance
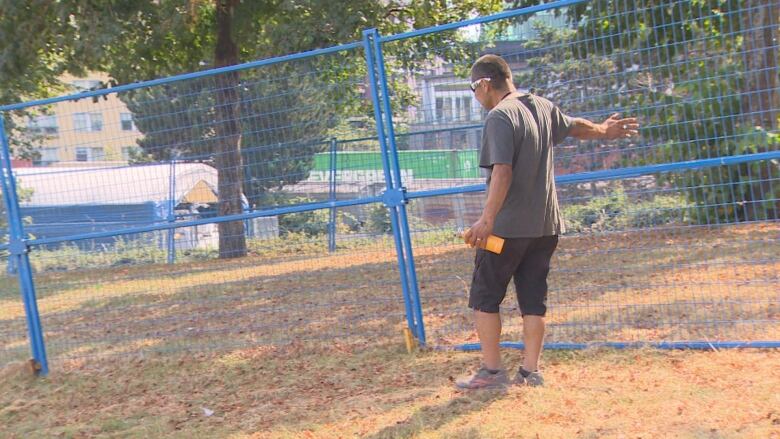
(89, 131)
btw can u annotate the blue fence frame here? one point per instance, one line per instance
(19, 249)
(395, 197)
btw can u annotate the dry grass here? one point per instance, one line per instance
(690, 284)
(106, 327)
(304, 392)
(682, 284)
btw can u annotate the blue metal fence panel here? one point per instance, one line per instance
(19, 256)
(672, 236)
(397, 195)
(104, 232)
(370, 43)
(702, 176)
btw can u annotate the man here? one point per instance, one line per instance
(521, 207)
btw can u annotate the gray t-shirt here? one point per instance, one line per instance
(521, 131)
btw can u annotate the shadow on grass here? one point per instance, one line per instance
(434, 417)
(364, 298)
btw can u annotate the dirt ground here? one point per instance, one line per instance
(712, 284)
(301, 392)
(311, 347)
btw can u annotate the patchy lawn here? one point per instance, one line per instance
(309, 345)
(383, 392)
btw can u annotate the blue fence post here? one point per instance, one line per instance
(414, 291)
(332, 196)
(369, 36)
(19, 250)
(172, 212)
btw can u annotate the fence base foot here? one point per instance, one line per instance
(411, 342)
(33, 367)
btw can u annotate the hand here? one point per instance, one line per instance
(616, 128)
(479, 232)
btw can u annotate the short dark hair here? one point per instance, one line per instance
(493, 67)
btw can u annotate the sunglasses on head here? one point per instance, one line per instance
(475, 84)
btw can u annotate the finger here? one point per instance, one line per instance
(614, 116)
(477, 237)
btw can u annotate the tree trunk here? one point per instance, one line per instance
(232, 241)
(762, 99)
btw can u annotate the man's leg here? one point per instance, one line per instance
(491, 375)
(492, 274)
(533, 334)
(531, 286)
(489, 332)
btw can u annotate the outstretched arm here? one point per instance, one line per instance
(612, 128)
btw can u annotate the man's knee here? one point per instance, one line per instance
(488, 308)
(536, 309)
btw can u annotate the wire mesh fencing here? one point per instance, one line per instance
(318, 197)
(15, 344)
(672, 235)
(134, 240)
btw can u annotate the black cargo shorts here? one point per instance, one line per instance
(525, 259)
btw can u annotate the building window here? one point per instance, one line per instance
(47, 156)
(98, 154)
(84, 154)
(447, 110)
(85, 122)
(474, 110)
(127, 122)
(464, 108)
(43, 125)
(459, 140)
(451, 108)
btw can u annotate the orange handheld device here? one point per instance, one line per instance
(493, 243)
